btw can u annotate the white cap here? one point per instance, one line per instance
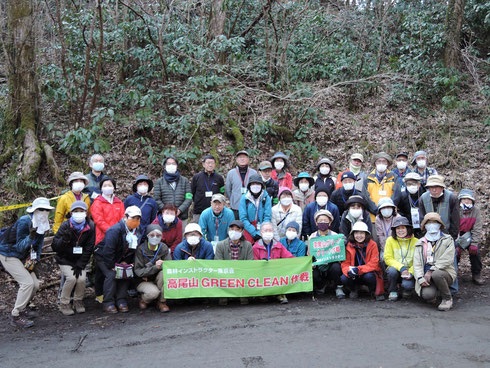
(192, 227)
(133, 211)
(360, 226)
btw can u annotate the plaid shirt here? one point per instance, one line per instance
(235, 251)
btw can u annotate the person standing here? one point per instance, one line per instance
(355, 166)
(171, 226)
(237, 181)
(95, 176)
(340, 196)
(280, 174)
(324, 179)
(304, 193)
(272, 187)
(214, 220)
(419, 162)
(141, 199)
(284, 212)
(409, 202)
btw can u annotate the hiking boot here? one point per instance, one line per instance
(79, 307)
(282, 299)
(66, 309)
(477, 279)
(223, 301)
(29, 313)
(353, 294)
(380, 298)
(123, 308)
(445, 305)
(339, 292)
(244, 301)
(393, 297)
(110, 309)
(163, 307)
(21, 321)
(142, 304)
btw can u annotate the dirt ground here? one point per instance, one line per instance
(329, 332)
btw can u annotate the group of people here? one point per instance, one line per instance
(399, 223)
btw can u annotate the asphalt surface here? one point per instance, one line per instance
(303, 333)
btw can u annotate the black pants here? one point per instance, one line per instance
(333, 273)
(115, 291)
(476, 265)
(237, 215)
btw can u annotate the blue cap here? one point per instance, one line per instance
(293, 224)
(348, 174)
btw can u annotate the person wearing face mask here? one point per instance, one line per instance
(73, 244)
(340, 196)
(324, 180)
(331, 271)
(171, 226)
(204, 185)
(140, 198)
(380, 183)
(115, 259)
(355, 167)
(284, 212)
(214, 221)
(174, 188)
(398, 257)
(409, 201)
(148, 260)
(237, 181)
(77, 182)
(387, 214)
(255, 208)
(95, 176)
(272, 187)
(267, 248)
(20, 246)
(321, 203)
(361, 265)
(355, 211)
(280, 174)
(234, 248)
(433, 263)
(304, 192)
(194, 246)
(401, 170)
(419, 162)
(291, 240)
(470, 233)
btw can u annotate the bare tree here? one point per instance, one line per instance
(454, 21)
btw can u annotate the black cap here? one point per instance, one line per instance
(237, 223)
(141, 178)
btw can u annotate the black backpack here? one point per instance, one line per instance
(8, 235)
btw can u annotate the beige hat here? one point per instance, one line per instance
(133, 211)
(432, 216)
(412, 176)
(265, 165)
(218, 197)
(435, 181)
(357, 156)
(76, 175)
(324, 213)
(384, 155)
(192, 227)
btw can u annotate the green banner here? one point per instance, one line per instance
(327, 249)
(220, 279)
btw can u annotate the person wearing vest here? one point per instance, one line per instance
(355, 166)
(419, 162)
(409, 202)
(401, 170)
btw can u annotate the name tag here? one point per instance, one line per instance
(216, 238)
(415, 218)
(430, 259)
(244, 190)
(94, 195)
(133, 245)
(382, 192)
(33, 254)
(77, 250)
(208, 194)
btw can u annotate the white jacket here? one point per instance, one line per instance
(278, 214)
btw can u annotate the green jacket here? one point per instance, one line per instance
(443, 259)
(223, 251)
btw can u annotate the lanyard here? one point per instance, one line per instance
(361, 259)
(246, 176)
(269, 249)
(218, 224)
(413, 203)
(155, 256)
(212, 183)
(386, 230)
(404, 257)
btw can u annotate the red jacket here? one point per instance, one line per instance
(172, 236)
(277, 251)
(105, 215)
(371, 263)
(286, 181)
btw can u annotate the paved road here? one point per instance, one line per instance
(327, 333)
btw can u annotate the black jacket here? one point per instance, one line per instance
(327, 185)
(67, 238)
(200, 184)
(340, 196)
(272, 188)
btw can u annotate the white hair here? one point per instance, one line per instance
(92, 158)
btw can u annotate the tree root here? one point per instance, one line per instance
(52, 166)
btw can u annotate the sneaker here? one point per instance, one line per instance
(99, 299)
(393, 296)
(445, 305)
(339, 292)
(21, 321)
(29, 313)
(79, 307)
(282, 299)
(163, 307)
(123, 308)
(353, 294)
(110, 309)
(223, 301)
(477, 279)
(66, 309)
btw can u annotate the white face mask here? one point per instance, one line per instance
(40, 221)
(278, 165)
(381, 168)
(421, 163)
(108, 191)
(286, 201)
(168, 219)
(79, 217)
(267, 236)
(387, 212)
(356, 213)
(143, 189)
(154, 240)
(437, 196)
(291, 234)
(412, 189)
(234, 235)
(433, 231)
(171, 168)
(98, 166)
(324, 170)
(466, 207)
(401, 165)
(255, 188)
(193, 240)
(77, 187)
(348, 186)
(321, 200)
(304, 187)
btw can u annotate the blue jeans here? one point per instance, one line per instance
(368, 279)
(455, 286)
(394, 277)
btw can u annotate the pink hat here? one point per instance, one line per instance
(284, 189)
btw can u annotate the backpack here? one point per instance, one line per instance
(8, 235)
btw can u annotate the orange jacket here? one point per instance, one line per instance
(371, 263)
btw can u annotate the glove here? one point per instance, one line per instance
(257, 237)
(458, 252)
(473, 249)
(66, 237)
(32, 232)
(352, 273)
(76, 272)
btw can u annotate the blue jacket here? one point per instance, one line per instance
(204, 250)
(249, 213)
(22, 247)
(309, 226)
(149, 210)
(208, 221)
(297, 247)
(401, 176)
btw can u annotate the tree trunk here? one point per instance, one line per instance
(217, 19)
(454, 21)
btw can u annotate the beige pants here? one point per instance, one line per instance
(195, 218)
(440, 282)
(72, 282)
(152, 290)
(28, 283)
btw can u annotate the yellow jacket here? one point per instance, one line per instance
(399, 253)
(374, 190)
(63, 208)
